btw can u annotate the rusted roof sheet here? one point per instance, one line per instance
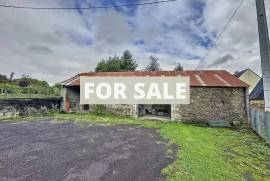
(198, 78)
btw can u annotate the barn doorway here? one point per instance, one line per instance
(154, 111)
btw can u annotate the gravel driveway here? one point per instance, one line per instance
(47, 151)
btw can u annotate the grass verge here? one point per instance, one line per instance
(203, 153)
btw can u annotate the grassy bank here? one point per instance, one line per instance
(203, 153)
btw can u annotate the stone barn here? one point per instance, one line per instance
(214, 95)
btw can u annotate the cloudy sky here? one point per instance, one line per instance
(54, 45)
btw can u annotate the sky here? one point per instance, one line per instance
(55, 45)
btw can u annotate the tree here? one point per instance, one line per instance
(116, 64)
(11, 76)
(128, 63)
(113, 64)
(178, 67)
(3, 79)
(153, 64)
(101, 66)
(24, 81)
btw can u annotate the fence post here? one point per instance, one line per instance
(258, 122)
(251, 113)
(267, 119)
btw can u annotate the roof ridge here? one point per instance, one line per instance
(240, 73)
(207, 76)
(158, 71)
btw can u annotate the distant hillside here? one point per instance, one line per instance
(26, 87)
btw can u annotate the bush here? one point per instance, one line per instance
(10, 89)
(99, 109)
(38, 90)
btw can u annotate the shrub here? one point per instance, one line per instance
(98, 109)
(10, 89)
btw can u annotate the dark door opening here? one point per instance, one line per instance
(155, 111)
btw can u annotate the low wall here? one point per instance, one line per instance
(20, 107)
(114, 109)
(256, 104)
(260, 120)
(122, 109)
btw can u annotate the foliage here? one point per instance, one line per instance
(28, 86)
(153, 64)
(11, 76)
(10, 89)
(128, 63)
(3, 79)
(15, 90)
(98, 109)
(204, 154)
(178, 67)
(24, 81)
(113, 64)
(55, 90)
(116, 64)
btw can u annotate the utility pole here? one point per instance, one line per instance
(265, 57)
(265, 51)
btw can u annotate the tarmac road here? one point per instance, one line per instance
(48, 151)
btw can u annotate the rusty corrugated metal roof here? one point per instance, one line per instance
(198, 78)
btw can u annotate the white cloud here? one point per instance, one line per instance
(240, 39)
(54, 45)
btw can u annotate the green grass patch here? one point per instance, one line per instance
(27, 97)
(203, 153)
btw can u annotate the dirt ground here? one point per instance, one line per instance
(48, 151)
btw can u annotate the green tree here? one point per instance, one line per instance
(113, 64)
(100, 66)
(116, 64)
(153, 64)
(24, 81)
(11, 76)
(3, 79)
(128, 63)
(178, 67)
(55, 90)
(10, 89)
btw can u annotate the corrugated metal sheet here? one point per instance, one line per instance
(198, 78)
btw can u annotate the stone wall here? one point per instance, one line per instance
(20, 107)
(256, 104)
(115, 109)
(208, 103)
(122, 110)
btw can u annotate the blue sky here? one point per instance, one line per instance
(54, 45)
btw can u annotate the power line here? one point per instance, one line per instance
(220, 34)
(85, 8)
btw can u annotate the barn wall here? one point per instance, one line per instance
(72, 94)
(213, 104)
(206, 104)
(122, 109)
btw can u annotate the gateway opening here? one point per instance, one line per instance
(155, 111)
